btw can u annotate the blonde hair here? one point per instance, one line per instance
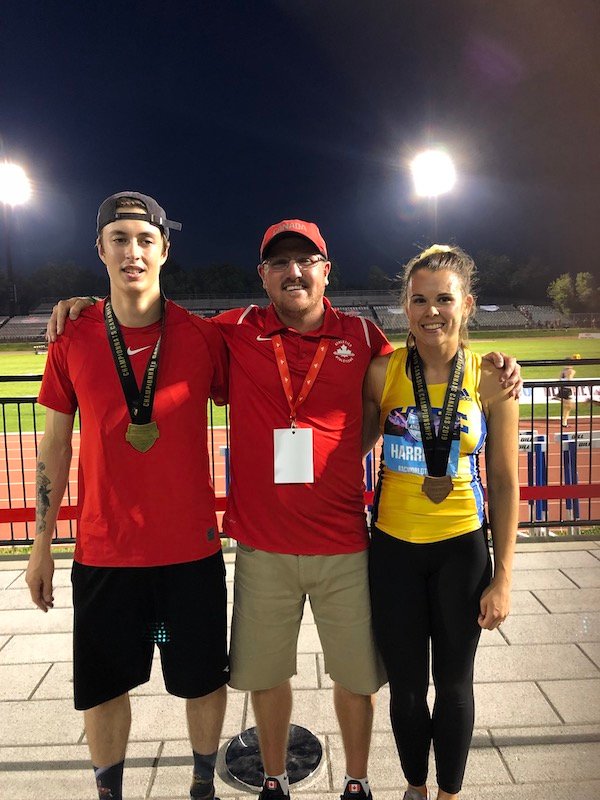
(436, 258)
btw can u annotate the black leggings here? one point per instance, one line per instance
(422, 593)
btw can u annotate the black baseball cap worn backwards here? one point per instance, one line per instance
(155, 215)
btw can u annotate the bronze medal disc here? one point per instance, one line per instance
(437, 489)
(142, 437)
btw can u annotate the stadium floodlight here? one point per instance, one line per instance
(433, 173)
(15, 186)
(15, 189)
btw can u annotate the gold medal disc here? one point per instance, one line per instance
(437, 489)
(142, 437)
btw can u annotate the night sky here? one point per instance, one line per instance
(235, 115)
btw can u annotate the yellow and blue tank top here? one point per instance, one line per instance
(404, 511)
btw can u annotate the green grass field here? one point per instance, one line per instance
(26, 362)
(541, 347)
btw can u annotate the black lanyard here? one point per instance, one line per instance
(437, 446)
(139, 401)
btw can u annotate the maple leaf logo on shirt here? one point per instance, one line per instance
(343, 351)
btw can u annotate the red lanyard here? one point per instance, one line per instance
(309, 380)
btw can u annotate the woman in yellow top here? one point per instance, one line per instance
(431, 577)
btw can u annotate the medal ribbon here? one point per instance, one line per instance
(437, 447)
(139, 401)
(309, 380)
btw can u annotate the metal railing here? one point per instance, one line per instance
(559, 468)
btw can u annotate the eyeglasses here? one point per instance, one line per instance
(279, 263)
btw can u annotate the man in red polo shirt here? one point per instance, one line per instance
(296, 504)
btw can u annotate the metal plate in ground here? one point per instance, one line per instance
(243, 762)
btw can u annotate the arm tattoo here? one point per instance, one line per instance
(42, 482)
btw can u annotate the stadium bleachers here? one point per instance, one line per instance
(206, 313)
(371, 305)
(543, 316)
(195, 307)
(357, 311)
(206, 307)
(498, 317)
(391, 318)
(25, 329)
(43, 308)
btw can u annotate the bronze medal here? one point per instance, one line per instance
(142, 437)
(437, 489)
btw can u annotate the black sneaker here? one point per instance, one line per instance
(272, 791)
(355, 791)
(202, 790)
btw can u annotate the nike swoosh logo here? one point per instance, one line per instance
(131, 352)
(263, 338)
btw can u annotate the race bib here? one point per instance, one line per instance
(403, 447)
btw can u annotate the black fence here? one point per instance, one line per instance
(559, 467)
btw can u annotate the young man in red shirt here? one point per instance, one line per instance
(140, 370)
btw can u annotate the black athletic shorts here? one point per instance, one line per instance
(122, 612)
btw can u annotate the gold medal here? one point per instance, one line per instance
(142, 437)
(437, 489)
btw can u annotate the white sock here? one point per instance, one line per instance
(283, 781)
(364, 782)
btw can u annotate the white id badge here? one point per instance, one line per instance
(294, 461)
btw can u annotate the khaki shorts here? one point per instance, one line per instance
(269, 594)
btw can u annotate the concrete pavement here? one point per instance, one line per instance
(537, 699)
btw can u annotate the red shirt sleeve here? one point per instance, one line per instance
(57, 390)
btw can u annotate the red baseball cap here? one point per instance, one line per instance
(293, 227)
